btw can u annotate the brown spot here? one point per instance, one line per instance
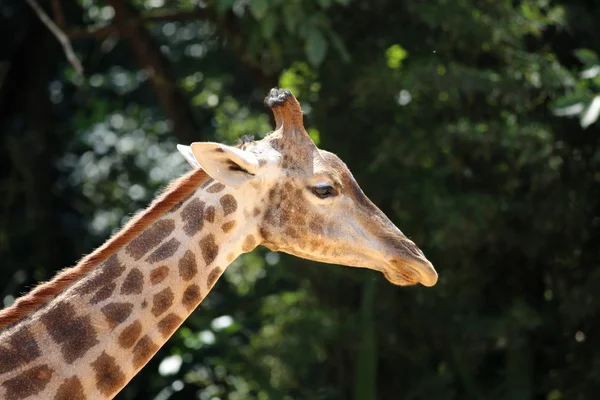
(216, 188)
(291, 232)
(187, 266)
(209, 248)
(162, 301)
(143, 351)
(207, 182)
(192, 216)
(169, 324)
(213, 276)
(158, 274)
(165, 251)
(314, 244)
(18, 349)
(249, 243)
(255, 212)
(104, 293)
(270, 217)
(191, 296)
(228, 226)
(70, 389)
(229, 204)
(264, 232)
(104, 275)
(273, 193)
(144, 304)
(109, 377)
(298, 218)
(116, 313)
(28, 383)
(316, 226)
(150, 238)
(134, 282)
(284, 217)
(75, 335)
(230, 257)
(209, 215)
(130, 334)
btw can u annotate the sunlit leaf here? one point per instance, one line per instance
(394, 55)
(590, 73)
(591, 113)
(570, 105)
(587, 57)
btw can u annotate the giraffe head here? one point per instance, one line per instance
(304, 201)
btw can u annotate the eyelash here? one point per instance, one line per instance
(323, 192)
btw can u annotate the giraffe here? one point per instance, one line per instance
(88, 331)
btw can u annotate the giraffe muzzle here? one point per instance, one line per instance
(411, 266)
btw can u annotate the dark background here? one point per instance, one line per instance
(471, 123)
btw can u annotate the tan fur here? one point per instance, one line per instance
(177, 191)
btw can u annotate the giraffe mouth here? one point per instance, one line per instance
(405, 274)
(404, 277)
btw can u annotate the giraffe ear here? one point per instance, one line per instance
(226, 164)
(186, 152)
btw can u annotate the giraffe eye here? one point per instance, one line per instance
(323, 191)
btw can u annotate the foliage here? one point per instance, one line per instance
(583, 100)
(450, 115)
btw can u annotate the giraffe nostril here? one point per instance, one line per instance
(413, 248)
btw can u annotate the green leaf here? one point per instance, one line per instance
(591, 113)
(394, 55)
(259, 8)
(339, 46)
(316, 47)
(224, 5)
(587, 57)
(268, 25)
(291, 16)
(314, 135)
(569, 105)
(324, 3)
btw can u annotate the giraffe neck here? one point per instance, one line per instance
(91, 339)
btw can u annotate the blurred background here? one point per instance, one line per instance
(471, 123)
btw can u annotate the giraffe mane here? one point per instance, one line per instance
(175, 192)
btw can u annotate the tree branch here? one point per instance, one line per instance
(172, 101)
(238, 41)
(58, 14)
(103, 31)
(60, 35)
(227, 24)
